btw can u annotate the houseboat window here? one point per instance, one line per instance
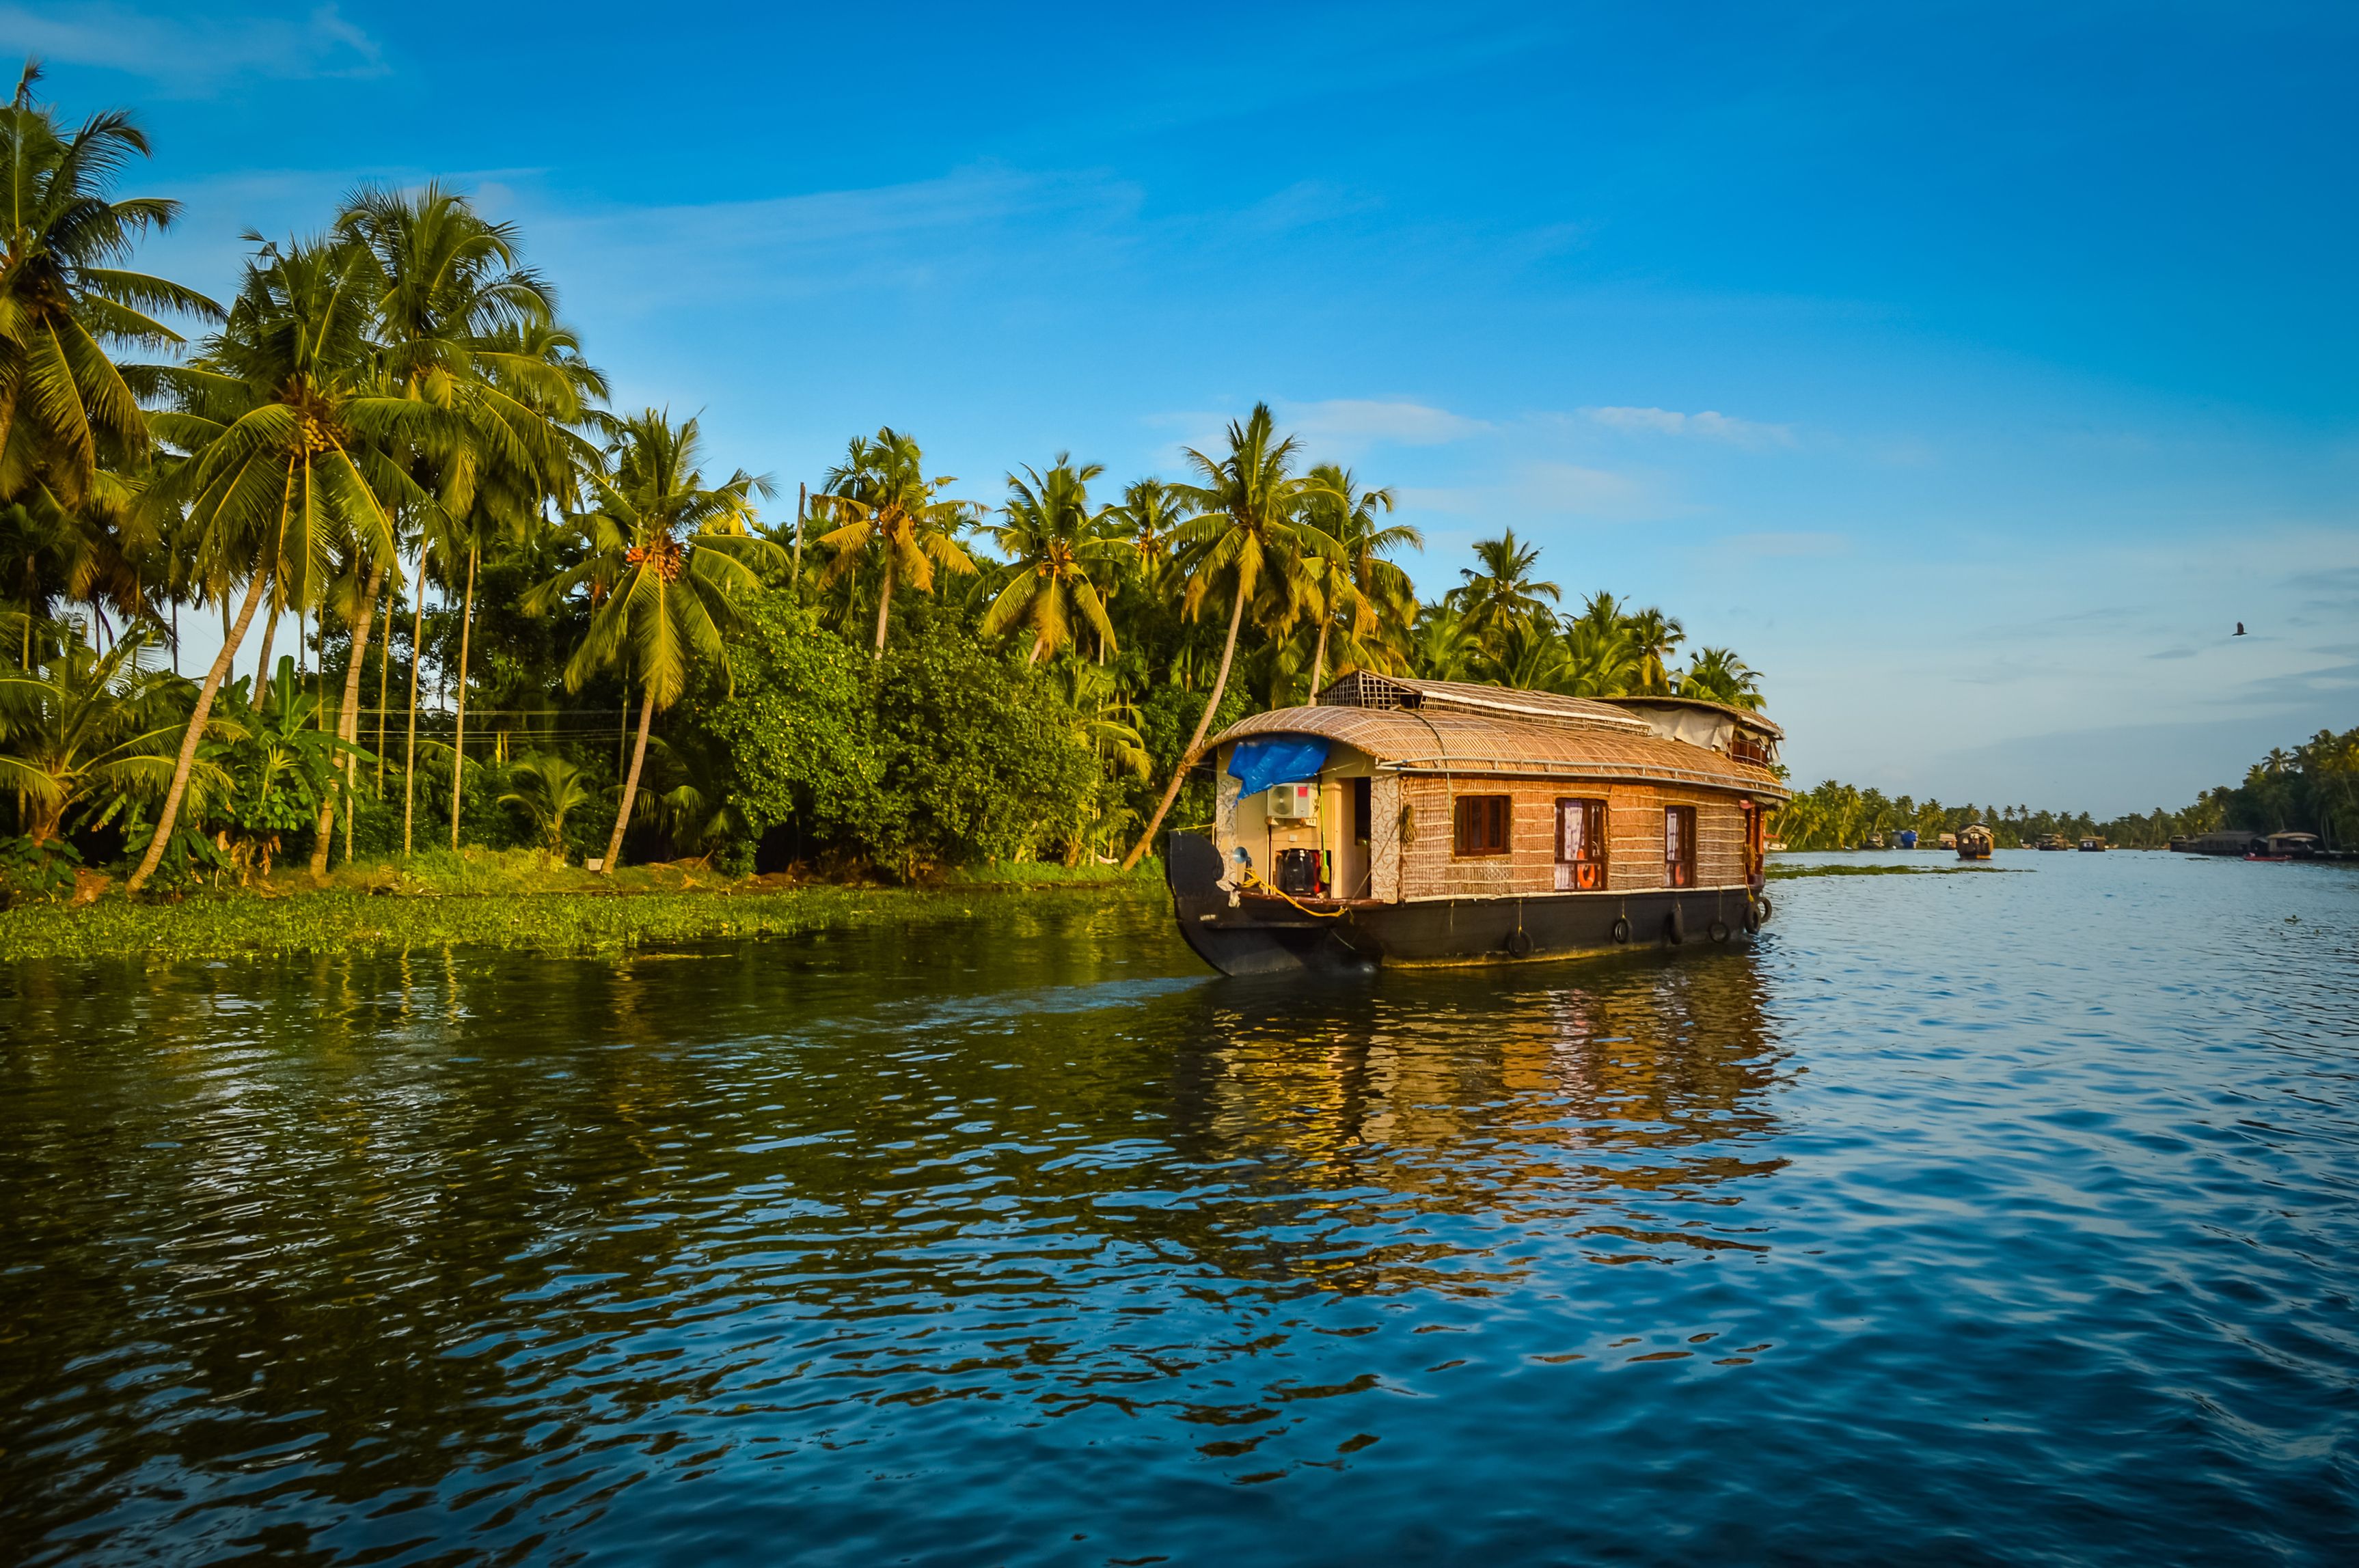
(1580, 845)
(1481, 825)
(1679, 845)
(1363, 810)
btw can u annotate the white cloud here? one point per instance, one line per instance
(188, 53)
(1572, 491)
(1361, 422)
(1706, 426)
(1545, 490)
(900, 237)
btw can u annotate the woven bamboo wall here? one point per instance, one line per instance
(1385, 799)
(1634, 817)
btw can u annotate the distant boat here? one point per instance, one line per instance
(2093, 846)
(2053, 841)
(2284, 847)
(2225, 841)
(1906, 838)
(1974, 842)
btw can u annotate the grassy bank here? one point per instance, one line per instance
(507, 900)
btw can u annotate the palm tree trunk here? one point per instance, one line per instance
(348, 725)
(1195, 741)
(410, 750)
(262, 669)
(1319, 660)
(458, 733)
(188, 759)
(884, 606)
(630, 783)
(384, 671)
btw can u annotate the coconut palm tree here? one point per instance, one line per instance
(1500, 590)
(549, 787)
(667, 555)
(468, 328)
(887, 507)
(86, 725)
(1529, 654)
(46, 552)
(1654, 637)
(1438, 645)
(1716, 674)
(64, 406)
(1250, 522)
(1150, 511)
(1062, 555)
(1599, 658)
(1371, 592)
(284, 431)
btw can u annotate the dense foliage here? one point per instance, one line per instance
(524, 619)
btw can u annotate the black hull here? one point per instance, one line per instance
(1258, 934)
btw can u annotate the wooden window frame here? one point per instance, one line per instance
(1680, 870)
(1463, 811)
(1585, 873)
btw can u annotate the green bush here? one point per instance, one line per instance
(981, 763)
(945, 753)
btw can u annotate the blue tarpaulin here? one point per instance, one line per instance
(1261, 761)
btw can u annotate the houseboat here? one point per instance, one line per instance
(2224, 841)
(2093, 846)
(1399, 821)
(1974, 842)
(2284, 847)
(2053, 841)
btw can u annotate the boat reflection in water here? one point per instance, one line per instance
(1603, 1113)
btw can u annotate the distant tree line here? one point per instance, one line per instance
(2313, 788)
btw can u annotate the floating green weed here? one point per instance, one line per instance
(338, 921)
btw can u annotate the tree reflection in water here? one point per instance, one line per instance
(496, 1239)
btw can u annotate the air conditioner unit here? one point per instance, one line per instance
(1293, 802)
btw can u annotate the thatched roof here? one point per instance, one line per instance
(1433, 741)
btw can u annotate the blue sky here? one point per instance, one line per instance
(1971, 370)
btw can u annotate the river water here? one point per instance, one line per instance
(2006, 1216)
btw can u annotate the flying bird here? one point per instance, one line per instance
(2240, 628)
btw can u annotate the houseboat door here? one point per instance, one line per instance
(1355, 870)
(1756, 858)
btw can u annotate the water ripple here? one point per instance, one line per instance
(1984, 1218)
